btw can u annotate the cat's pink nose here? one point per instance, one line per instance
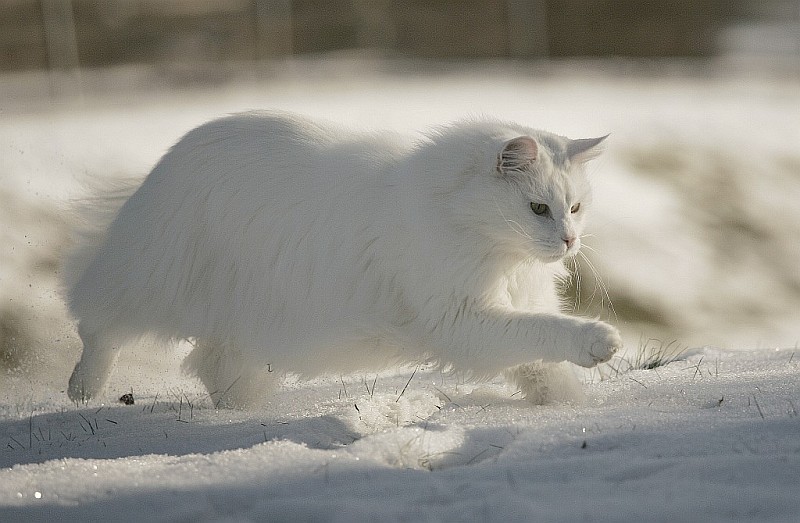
(569, 240)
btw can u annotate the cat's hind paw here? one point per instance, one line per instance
(82, 388)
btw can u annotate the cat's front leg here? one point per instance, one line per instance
(557, 337)
(495, 339)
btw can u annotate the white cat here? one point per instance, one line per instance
(273, 242)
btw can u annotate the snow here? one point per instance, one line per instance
(713, 436)
(695, 227)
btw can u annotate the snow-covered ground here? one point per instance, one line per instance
(713, 437)
(694, 234)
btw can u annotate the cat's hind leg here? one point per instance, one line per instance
(546, 383)
(94, 368)
(232, 381)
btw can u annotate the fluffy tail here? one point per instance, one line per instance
(91, 217)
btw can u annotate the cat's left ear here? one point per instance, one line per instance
(517, 155)
(580, 151)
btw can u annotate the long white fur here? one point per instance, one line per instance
(273, 241)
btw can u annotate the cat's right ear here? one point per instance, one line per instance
(581, 151)
(517, 155)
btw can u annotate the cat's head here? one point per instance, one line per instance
(534, 200)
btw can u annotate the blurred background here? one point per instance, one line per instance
(695, 235)
(67, 34)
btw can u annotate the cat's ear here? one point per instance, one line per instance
(517, 155)
(580, 151)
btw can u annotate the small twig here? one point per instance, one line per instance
(191, 406)
(697, 368)
(760, 413)
(374, 382)
(91, 428)
(219, 402)
(440, 391)
(407, 383)
(153, 406)
(476, 456)
(637, 382)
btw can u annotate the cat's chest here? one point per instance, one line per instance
(529, 288)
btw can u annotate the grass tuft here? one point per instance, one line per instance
(651, 354)
(654, 353)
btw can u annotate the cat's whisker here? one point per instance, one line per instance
(513, 225)
(517, 228)
(599, 283)
(586, 246)
(577, 278)
(594, 290)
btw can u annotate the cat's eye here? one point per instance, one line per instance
(575, 208)
(540, 209)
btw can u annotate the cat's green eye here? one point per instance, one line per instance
(540, 209)
(575, 208)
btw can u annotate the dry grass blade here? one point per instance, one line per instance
(407, 383)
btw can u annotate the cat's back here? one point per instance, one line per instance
(264, 146)
(262, 127)
(247, 140)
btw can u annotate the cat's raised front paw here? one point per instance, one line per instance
(597, 343)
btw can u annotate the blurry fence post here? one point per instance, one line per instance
(527, 28)
(59, 33)
(274, 34)
(62, 47)
(376, 24)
